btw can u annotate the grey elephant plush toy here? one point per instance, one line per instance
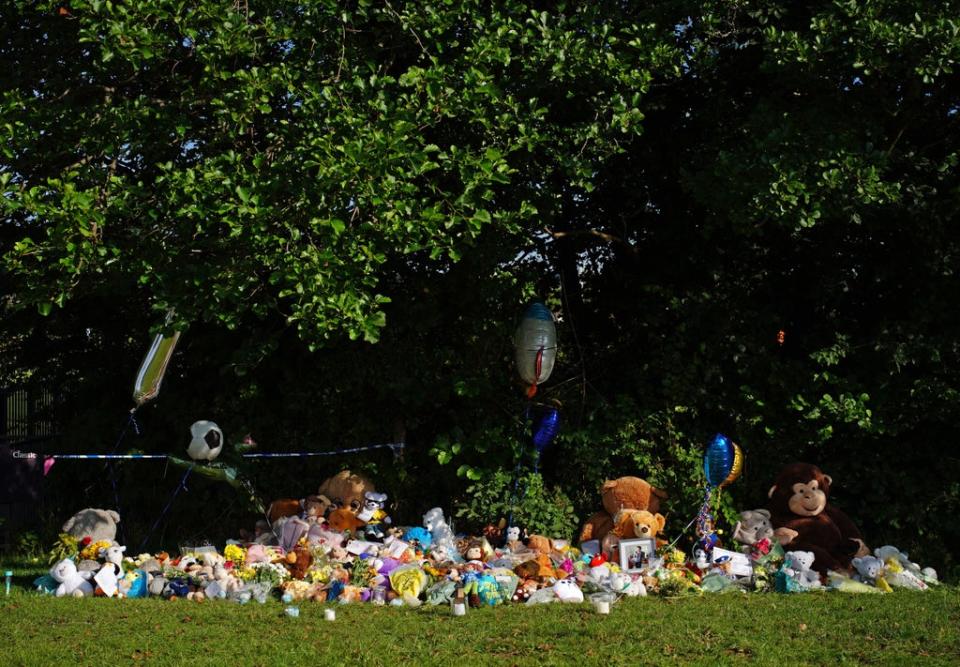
(753, 526)
(97, 524)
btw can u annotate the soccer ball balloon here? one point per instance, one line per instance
(206, 442)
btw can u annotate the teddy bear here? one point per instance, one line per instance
(439, 530)
(298, 562)
(315, 508)
(346, 490)
(342, 520)
(283, 507)
(617, 494)
(869, 569)
(637, 523)
(803, 519)
(541, 544)
(797, 565)
(530, 570)
(98, 525)
(71, 582)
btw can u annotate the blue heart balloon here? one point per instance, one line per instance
(546, 429)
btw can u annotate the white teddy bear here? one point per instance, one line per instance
(71, 582)
(797, 564)
(436, 524)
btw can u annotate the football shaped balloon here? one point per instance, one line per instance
(206, 442)
(535, 345)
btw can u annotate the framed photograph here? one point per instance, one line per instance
(636, 553)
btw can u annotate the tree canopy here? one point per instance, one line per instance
(346, 206)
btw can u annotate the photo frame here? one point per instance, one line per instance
(636, 553)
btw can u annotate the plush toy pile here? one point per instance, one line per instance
(340, 545)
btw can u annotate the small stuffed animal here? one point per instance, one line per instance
(623, 584)
(374, 514)
(298, 562)
(283, 507)
(540, 543)
(513, 542)
(71, 581)
(869, 569)
(494, 533)
(753, 526)
(886, 552)
(343, 519)
(637, 523)
(797, 564)
(98, 525)
(567, 590)
(110, 575)
(436, 524)
(418, 537)
(113, 554)
(315, 508)
(474, 550)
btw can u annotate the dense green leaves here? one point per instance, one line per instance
(680, 181)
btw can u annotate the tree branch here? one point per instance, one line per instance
(596, 233)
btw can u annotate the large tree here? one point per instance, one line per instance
(680, 181)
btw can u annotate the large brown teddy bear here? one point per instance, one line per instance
(345, 490)
(804, 520)
(630, 493)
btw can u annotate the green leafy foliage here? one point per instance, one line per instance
(679, 181)
(523, 498)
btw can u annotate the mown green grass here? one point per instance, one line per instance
(802, 629)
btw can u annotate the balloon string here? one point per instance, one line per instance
(682, 532)
(183, 486)
(513, 500)
(131, 420)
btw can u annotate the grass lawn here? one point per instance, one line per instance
(814, 628)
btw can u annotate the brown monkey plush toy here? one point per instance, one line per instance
(805, 521)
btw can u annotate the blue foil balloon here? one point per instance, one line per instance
(546, 429)
(723, 461)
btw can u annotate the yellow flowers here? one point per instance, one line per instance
(235, 553)
(92, 550)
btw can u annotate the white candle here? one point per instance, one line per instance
(330, 614)
(459, 609)
(602, 606)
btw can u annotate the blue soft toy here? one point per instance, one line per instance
(137, 581)
(419, 536)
